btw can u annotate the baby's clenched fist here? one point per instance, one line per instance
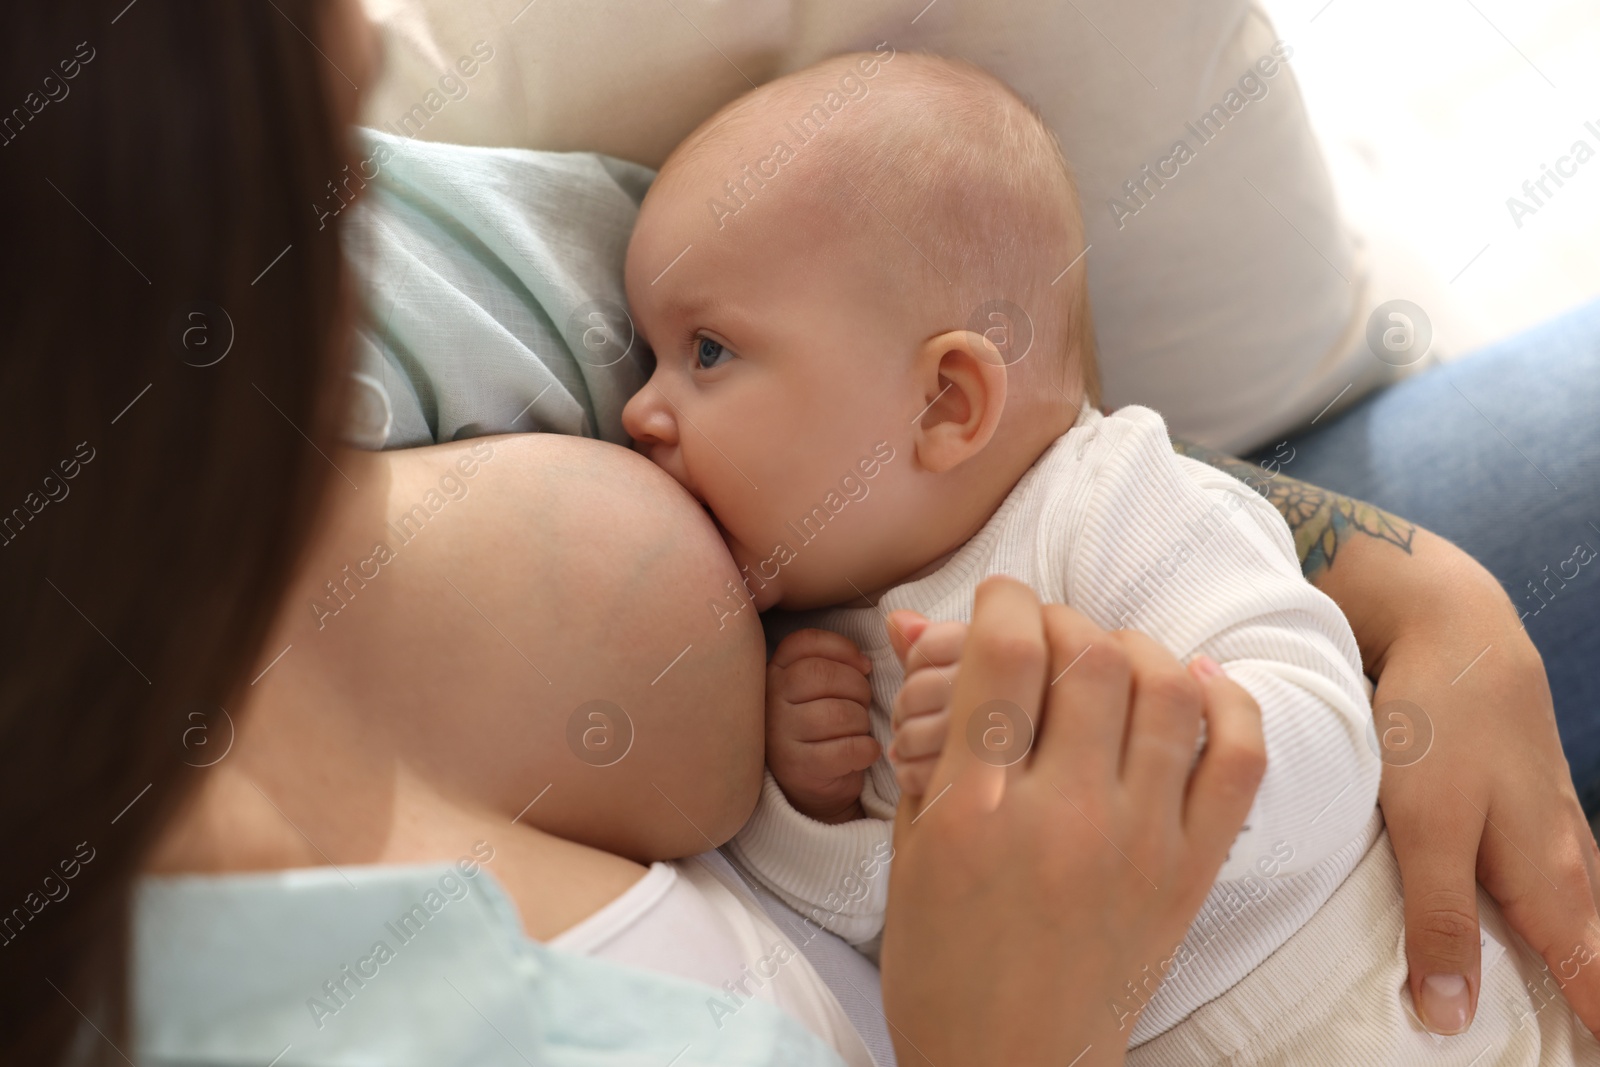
(819, 743)
(930, 653)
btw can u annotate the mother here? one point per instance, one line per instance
(179, 503)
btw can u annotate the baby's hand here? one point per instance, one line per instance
(818, 740)
(929, 652)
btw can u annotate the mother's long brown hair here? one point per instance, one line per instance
(170, 346)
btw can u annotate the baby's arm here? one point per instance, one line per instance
(1292, 649)
(1170, 547)
(1279, 836)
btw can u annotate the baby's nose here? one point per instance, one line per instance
(649, 419)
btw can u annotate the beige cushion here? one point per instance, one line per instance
(1232, 299)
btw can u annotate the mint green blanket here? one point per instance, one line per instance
(491, 291)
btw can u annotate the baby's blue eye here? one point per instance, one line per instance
(710, 353)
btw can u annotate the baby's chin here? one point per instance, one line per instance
(752, 566)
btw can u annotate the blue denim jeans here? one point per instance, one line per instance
(1500, 453)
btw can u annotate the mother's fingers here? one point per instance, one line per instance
(1224, 781)
(1540, 874)
(1002, 672)
(1435, 840)
(1163, 722)
(1586, 1001)
(1080, 734)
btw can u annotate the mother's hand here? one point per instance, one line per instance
(1491, 800)
(1025, 896)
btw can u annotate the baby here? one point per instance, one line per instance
(864, 285)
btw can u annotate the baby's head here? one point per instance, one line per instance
(856, 283)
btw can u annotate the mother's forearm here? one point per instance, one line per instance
(1324, 523)
(1384, 573)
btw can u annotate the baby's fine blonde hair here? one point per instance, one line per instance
(964, 170)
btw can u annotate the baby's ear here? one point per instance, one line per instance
(962, 379)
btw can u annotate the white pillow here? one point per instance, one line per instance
(1229, 297)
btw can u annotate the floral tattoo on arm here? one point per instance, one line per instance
(1321, 521)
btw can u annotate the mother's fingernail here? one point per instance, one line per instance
(1445, 1003)
(1206, 666)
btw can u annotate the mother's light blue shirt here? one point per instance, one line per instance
(404, 966)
